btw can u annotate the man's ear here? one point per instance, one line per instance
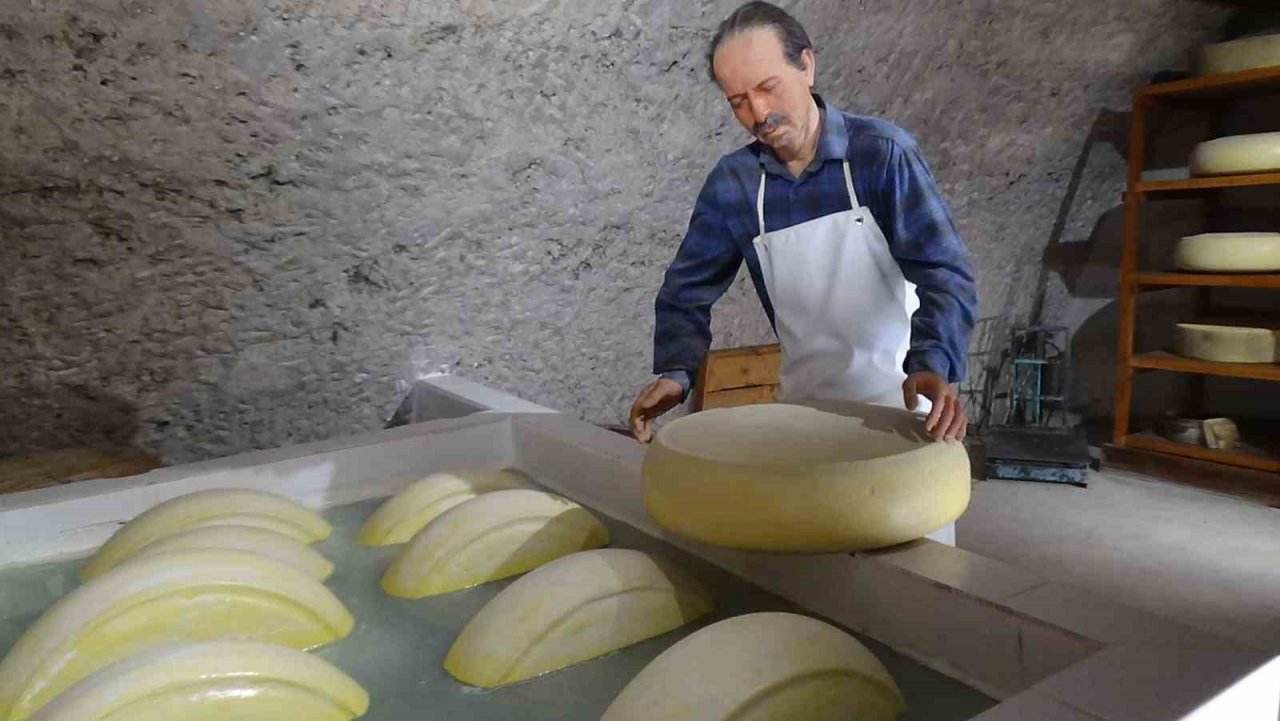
(810, 62)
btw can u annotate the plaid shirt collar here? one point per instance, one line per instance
(833, 144)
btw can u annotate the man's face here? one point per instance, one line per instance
(769, 95)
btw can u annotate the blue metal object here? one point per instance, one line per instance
(1036, 442)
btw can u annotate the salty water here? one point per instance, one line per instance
(398, 646)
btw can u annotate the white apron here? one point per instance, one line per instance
(841, 306)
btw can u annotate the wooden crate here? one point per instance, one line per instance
(738, 377)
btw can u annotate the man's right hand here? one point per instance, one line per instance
(657, 398)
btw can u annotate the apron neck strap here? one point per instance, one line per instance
(760, 202)
(848, 184)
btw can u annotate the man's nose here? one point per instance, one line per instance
(759, 110)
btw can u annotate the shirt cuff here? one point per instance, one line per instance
(932, 360)
(681, 377)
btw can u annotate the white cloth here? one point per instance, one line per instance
(841, 305)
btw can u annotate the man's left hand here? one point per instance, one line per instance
(947, 421)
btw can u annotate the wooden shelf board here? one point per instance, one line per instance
(1209, 182)
(1249, 484)
(1216, 87)
(1262, 461)
(1161, 360)
(1224, 280)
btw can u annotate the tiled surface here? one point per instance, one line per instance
(1132, 683)
(960, 569)
(1047, 650)
(1204, 560)
(1091, 615)
(976, 639)
(1032, 706)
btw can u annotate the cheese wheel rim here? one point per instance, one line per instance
(785, 478)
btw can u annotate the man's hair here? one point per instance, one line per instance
(758, 14)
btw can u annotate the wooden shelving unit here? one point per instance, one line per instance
(1203, 91)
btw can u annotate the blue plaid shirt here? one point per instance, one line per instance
(890, 177)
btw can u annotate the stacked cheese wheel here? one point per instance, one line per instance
(1229, 343)
(1229, 253)
(205, 602)
(1248, 53)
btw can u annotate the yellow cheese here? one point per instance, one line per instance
(571, 610)
(407, 512)
(1261, 51)
(214, 681)
(181, 596)
(234, 506)
(489, 537)
(762, 667)
(1228, 344)
(246, 538)
(1256, 153)
(794, 479)
(1229, 252)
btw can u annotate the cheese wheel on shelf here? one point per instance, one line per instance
(789, 478)
(1261, 51)
(765, 667)
(1228, 344)
(1256, 153)
(1229, 252)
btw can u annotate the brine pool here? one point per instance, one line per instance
(398, 646)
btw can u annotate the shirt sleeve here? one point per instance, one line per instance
(704, 267)
(923, 239)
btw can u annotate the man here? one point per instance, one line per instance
(851, 248)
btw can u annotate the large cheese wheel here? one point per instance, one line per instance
(152, 601)
(1256, 153)
(214, 681)
(1229, 252)
(407, 512)
(1228, 344)
(763, 667)
(246, 538)
(489, 537)
(789, 478)
(572, 610)
(202, 509)
(1243, 54)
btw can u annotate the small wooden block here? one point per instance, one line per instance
(743, 367)
(739, 397)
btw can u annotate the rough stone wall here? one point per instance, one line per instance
(245, 223)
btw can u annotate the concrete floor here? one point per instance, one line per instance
(1204, 559)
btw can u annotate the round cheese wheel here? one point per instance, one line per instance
(1229, 252)
(1256, 153)
(764, 667)
(1228, 344)
(1243, 54)
(789, 478)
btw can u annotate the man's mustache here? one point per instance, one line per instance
(769, 123)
